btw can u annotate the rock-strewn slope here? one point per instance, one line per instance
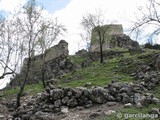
(59, 100)
(54, 101)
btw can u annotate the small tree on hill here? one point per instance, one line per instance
(51, 30)
(95, 22)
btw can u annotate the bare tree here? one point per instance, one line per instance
(149, 20)
(51, 30)
(37, 32)
(9, 49)
(23, 32)
(95, 22)
(31, 15)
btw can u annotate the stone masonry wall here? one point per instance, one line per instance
(58, 52)
(54, 100)
(112, 29)
(60, 49)
(114, 37)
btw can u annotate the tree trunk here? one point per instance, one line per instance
(101, 46)
(43, 71)
(23, 85)
(101, 53)
(43, 75)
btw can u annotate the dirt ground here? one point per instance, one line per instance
(90, 113)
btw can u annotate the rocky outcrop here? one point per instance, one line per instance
(145, 71)
(81, 52)
(123, 41)
(58, 67)
(54, 63)
(150, 46)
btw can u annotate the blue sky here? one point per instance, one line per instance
(70, 13)
(53, 5)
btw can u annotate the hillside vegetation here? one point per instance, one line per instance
(115, 68)
(97, 74)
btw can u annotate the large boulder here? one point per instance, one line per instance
(98, 95)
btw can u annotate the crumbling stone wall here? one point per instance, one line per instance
(60, 49)
(114, 37)
(112, 29)
(55, 61)
(58, 100)
(123, 41)
(57, 50)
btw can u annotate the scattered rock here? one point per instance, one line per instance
(128, 105)
(60, 100)
(111, 103)
(57, 103)
(81, 52)
(72, 103)
(43, 116)
(88, 84)
(109, 112)
(155, 111)
(155, 100)
(95, 114)
(138, 99)
(126, 98)
(64, 110)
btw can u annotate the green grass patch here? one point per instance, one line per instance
(34, 88)
(30, 89)
(156, 92)
(10, 92)
(76, 59)
(97, 74)
(130, 113)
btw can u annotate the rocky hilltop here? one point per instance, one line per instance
(56, 62)
(80, 88)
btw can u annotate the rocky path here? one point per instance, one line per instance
(78, 113)
(90, 113)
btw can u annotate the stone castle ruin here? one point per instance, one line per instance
(114, 37)
(60, 49)
(56, 58)
(55, 65)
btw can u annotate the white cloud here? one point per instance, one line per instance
(116, 11)
(10, 5)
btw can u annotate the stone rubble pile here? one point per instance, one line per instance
(59, 100)
(146, 74)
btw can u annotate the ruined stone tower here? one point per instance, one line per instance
(113, 37)
(55, 62)
(112, 29)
